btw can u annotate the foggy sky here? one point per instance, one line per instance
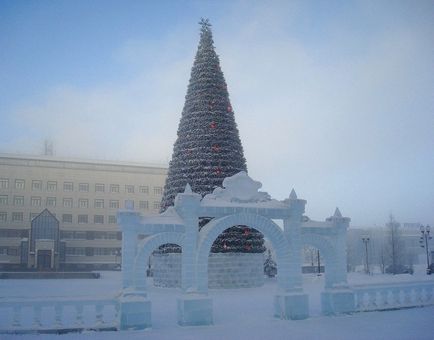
(334, 99)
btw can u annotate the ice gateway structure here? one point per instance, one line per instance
(239, 202)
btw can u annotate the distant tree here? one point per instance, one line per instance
(270, 267)
(382, 258)
(395, 247)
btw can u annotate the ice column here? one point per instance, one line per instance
(293, 303)
(187, 206)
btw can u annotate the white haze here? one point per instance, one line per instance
(347, 123)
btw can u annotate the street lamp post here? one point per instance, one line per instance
(117, 255)
(319, 263)
(366, 242)
(424, 238)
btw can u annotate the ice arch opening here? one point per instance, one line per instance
(328, 253)
(267, 227)
(146, 248)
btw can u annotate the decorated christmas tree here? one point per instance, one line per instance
(208, 147)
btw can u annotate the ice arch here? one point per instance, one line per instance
(238, 202)
(145, 249)
(267, 227)
(328, 252)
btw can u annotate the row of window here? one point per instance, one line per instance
(11, 251)
(90, 235)
(37, 185)
(36, 201)
(82, 251)
(67, 234)
(16, 233)
(66, 218)
(74, 251)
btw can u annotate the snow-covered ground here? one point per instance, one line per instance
(241, 313)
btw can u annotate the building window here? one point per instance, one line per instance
(32, 216)
(36, 185)
(4, 183)
(129, 189)
(3, 200)
(75, 251)
(105, 251)
(20, 184)
(18, 200)
(157, 205)
(98, 219)
(114, 204)
(99, 235)
(144, 189)
(3, 217)
(114, 187)
(65, 234)
(51, 186)
(99, 203)
(35, 201)
(12, 251)
(68, 186)
(129, 204)
(144, 205)
(83, 187)
(83, 203)
(51, 201)
(112, 219)
(80, 235)
(67, 218)
(158, 191)
(67, 202)
(82, 219)
(17, 217)
(99, 188)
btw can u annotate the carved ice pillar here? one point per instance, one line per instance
(292, 303)
(128, 222)
(341, 225)
(134, 307)
(338, 298)
(193, 309)
(292, 225)
(187, 206)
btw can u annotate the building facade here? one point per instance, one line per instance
(84, 196)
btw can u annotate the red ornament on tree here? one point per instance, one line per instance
(229, 108)
(213, 125)
(216, 148)
(218, 171)
(246, 231)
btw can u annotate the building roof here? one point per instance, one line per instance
(71, 163)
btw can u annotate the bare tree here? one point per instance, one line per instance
(395, 245)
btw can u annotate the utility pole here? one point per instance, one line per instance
(424, 238)
(366, 242)
(319, 264)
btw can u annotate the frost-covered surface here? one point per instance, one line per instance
(242, 313)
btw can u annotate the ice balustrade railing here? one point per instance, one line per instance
(58, 313)
(393, 295)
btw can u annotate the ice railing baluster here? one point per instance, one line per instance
(67, 314)
(393, 295)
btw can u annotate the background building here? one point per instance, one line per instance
(83, 195)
